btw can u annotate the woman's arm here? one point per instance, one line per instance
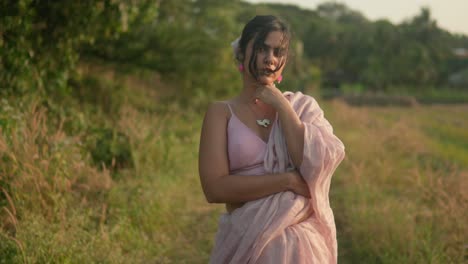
(217, 184)
(292, 126)
(293, 131)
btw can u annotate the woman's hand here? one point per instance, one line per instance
(271, 95)
(297, 184)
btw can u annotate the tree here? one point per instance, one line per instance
(39, 40)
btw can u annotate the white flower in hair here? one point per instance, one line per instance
(235, 46)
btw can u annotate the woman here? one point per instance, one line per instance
(269, 157)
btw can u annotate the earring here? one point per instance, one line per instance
(279, 79)
(241, 67)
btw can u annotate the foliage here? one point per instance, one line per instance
(380, 55)
(187, 42)
(109, 148)
(39, 40)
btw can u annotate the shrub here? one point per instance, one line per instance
(42, 169)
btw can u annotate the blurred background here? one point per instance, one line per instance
(101, 105)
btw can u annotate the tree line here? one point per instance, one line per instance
(187, 41)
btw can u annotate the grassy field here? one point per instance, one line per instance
(398, 197)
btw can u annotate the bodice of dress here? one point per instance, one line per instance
(246, 150)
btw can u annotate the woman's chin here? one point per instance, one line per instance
(265, 80)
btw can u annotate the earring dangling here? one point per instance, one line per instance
(279, 79)
(241, 67)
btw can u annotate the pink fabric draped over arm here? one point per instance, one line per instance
(285, 227)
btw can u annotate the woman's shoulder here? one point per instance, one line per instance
(218, 110)
(222, 106)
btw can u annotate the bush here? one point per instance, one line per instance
(42, 168)
(110, 148)
(39, 40)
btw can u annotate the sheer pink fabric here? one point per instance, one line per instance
(285, 227)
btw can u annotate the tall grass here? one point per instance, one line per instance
(46, 186)
(398, 197)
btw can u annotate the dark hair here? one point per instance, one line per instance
(258, 29)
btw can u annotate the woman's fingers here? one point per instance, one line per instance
(300, 186)
(268, 94)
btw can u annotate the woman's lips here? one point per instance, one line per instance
(267, 72)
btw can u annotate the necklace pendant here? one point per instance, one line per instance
(264, 123)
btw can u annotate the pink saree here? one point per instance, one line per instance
(285, 227)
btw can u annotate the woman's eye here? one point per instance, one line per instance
(279, 52)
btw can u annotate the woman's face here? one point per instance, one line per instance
(269, 56)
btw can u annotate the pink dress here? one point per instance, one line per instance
(283, 227)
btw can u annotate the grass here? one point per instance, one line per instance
(398, 197)
(358, 95)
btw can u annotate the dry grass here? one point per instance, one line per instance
(43, 173)
(397, 199)
(399, 196)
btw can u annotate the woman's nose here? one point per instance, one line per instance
(269, 58)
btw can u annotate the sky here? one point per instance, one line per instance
(451, 15)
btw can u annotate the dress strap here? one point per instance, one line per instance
(230, 109)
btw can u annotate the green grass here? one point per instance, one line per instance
(357, 94)
(398, 197)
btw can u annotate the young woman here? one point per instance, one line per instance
(269, 156)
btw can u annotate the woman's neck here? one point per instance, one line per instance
(247, 94)
(249, 87)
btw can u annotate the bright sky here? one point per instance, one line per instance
(451, 15)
